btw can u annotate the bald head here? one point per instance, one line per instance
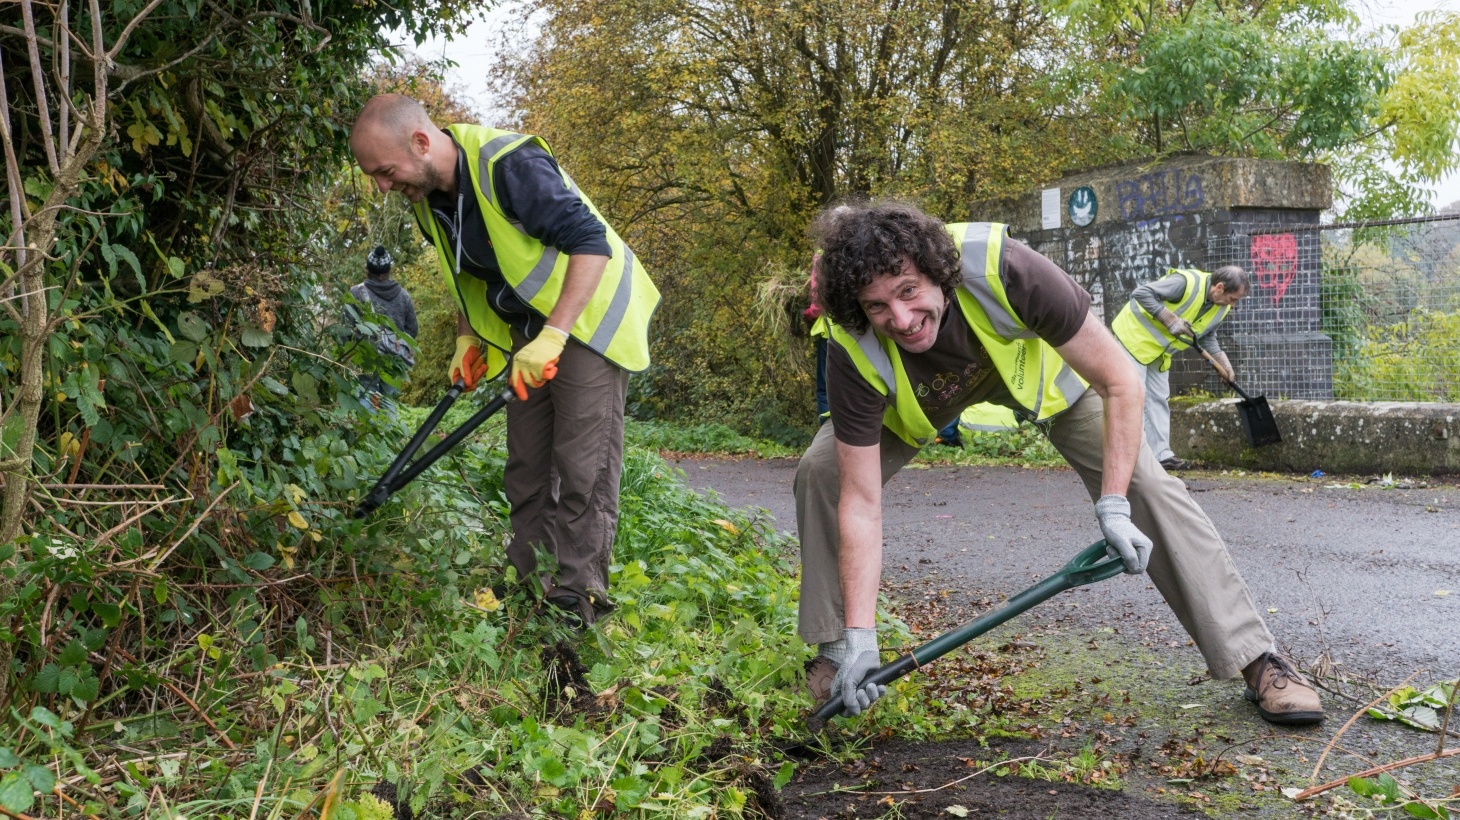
(398, 146)
(391, 115)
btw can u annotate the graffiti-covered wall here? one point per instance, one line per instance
(1113, 228)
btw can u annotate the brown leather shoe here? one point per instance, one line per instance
(820, 672)
(1282, 694)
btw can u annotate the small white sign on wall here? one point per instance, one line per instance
(1049, 201)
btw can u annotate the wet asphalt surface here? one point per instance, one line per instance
(1357, 582)
(1370, 576)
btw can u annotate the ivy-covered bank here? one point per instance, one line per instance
(267, 655)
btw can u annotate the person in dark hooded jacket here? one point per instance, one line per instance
(384, 294)
(386, 297)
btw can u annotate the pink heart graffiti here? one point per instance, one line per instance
(1275, 262)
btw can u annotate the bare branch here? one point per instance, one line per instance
(1314, 791)
(13, 182)
(99, 64)
(43, 112)
(126, 34)
(23, 295)
(130, 74)
(62, 57)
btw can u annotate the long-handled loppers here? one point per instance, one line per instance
(1091, 565)
(402, 470)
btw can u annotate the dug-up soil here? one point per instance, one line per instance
(938, 780)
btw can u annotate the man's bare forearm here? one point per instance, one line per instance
(860, 564)
(859, 527)
(1095, 354)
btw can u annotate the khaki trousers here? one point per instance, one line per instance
(1189, 565)
(564, 458)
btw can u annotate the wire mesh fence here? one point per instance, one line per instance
(1391, 305)
(1356, 311)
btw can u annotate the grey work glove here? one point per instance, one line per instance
(1224, 366)
(1178, 326)
(1122, 539)
(860, 661)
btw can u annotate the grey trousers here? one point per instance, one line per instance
(1190, 565)
(1157, 420)
(564, 457)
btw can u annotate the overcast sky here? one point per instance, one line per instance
(491, 36)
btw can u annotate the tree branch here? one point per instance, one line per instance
(1314, 791)
(126, 34)
(38, 76)
(13, 183)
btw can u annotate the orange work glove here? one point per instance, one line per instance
(537, 361)
(467, 366)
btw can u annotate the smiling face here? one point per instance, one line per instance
(398, 165)
(906, 307)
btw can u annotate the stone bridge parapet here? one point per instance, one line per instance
(1365, 438)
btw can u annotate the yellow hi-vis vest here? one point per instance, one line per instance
(1147, 339)
(1039, 380)
(820, 329)
(614, 324)
(988, 418)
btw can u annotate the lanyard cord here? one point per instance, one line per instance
(461, 172)
(460, 228)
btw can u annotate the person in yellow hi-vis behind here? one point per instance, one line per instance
(537, 274)
(1162, 317)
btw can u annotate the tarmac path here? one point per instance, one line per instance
(1369, 576)
(1358, 583)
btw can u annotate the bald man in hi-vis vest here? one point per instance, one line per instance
(544, 285)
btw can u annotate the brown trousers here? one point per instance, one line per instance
(1190, 565)
(565, 448)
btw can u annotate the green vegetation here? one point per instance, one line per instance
(702, 438)
(194, 625)
(1024, 446)
(225, 677)
(1392, 308)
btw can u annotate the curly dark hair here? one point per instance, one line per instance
(863, 241)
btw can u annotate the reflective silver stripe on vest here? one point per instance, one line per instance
(532, 284)
(1161, 335)
(877, 356)
(975, 251)
(1068, 383)
(1194, 283)
(618, 306)
(1039, 392)
(572, 186)
(484, 160)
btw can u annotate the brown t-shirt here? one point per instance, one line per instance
(956, 371)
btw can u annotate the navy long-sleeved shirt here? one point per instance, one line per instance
(531, 191)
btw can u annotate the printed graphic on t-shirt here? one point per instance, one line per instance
(946, 389)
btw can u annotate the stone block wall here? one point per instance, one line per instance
(1142, 219)
(1337, 437)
